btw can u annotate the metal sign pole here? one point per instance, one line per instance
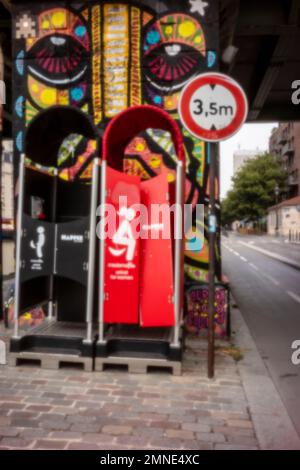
(19, 230)
(53, 220)
(213, 152)
(102, 254)
(92, 253)
(178, 250)
(203, 102)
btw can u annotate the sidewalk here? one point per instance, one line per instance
(71, 409)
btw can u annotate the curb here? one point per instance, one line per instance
(283, 259)
(273, 426)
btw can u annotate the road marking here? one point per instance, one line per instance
(253, 266)
(227, 247)
(235, 252)
(294, 296)
(272, 279)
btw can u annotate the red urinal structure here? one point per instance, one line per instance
(141, 258)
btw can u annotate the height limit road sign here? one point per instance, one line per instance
(213, 107)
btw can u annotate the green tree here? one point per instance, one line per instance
(253, 190)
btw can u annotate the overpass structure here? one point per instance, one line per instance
(258, 40)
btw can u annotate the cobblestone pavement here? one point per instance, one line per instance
(72, 409)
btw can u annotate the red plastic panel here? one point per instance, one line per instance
(156, 284)
(122, 251)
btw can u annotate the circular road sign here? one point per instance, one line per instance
(213, 107)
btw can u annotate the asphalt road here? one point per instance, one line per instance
(267, 292)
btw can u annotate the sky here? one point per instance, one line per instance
(250, 137)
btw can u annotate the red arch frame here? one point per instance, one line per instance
(129, 123)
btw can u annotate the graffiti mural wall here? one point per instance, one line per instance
(102, 57)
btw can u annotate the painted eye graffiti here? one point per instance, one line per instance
(174, 49)
(58, 60)
(172, 65)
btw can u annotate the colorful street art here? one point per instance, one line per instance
(102, 57)
(197, 310)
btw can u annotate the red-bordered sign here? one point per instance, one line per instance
(213, 107)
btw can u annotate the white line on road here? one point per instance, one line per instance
(272, 279)
(294, 296)
(227, 247)
(253, 266)
(244, 259)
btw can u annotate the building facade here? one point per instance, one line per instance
(285, 145)
(284, 219)
(240, 157)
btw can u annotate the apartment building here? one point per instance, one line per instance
(285, 145)
(241, 156)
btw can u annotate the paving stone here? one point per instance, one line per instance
(165, 443)
(133, 441)
(82, 446)
(182, 419)
(24, 423)
(240, 423)
(196, 445)
(85, 427)
(58, 425)
(180, 434)
(145, 432)
(15, 442)
(234, 447)
(164, 424)
(12, 406)
(242, 440)
(196, 427)
(39, 408)
(6, 431)
(23, 414)
(49, 444)
(34, 433)
(117, 430)
(230, 430)
(66, 435)
(54, 395)
(5, 420)
(97, 438)
(210, 437)
(36, 400)
(81, 419)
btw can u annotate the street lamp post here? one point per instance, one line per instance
(277, 190)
